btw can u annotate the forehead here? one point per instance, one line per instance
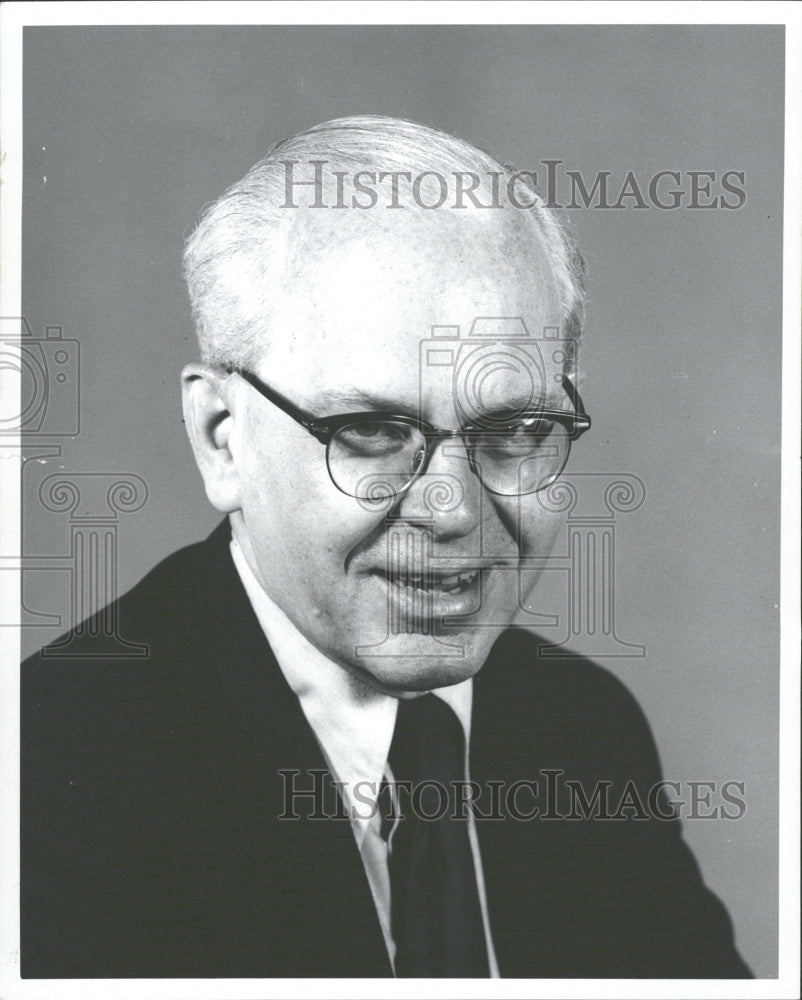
(361, 292)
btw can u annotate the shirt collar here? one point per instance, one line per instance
(352, 723)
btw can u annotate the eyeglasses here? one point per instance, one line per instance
(376, 455)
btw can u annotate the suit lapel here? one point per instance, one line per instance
(309, 905)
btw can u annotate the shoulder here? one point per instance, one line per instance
(180, 586)
(567, 709)
(112, 678)
(524, 667)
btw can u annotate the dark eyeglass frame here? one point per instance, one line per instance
(324, 428)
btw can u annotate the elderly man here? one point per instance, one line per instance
(339, 759)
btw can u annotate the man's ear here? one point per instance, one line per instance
(209, 425)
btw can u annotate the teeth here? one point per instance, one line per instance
(451, 584)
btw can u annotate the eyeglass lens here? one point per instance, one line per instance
(378, 460)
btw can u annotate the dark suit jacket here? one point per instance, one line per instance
(151, 790)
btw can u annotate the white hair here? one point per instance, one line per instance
(233, 261)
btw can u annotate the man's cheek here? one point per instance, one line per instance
(537, 528)
(527, 523)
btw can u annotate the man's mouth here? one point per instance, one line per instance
(430, 583)
(426, 594)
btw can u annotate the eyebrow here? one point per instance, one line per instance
(341, 399)
(336, 401)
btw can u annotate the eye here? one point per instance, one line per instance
(375, 438)
(526, 437)
(367, 430)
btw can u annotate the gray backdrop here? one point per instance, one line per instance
(130, 131)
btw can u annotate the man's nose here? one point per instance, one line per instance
(447, 497)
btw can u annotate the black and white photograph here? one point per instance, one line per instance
(400, 543)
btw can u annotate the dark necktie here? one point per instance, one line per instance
(436, 919)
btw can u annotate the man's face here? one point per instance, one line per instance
(361, 296)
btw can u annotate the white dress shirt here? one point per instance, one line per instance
(354, 726)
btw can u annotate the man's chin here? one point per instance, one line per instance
(422, 663)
